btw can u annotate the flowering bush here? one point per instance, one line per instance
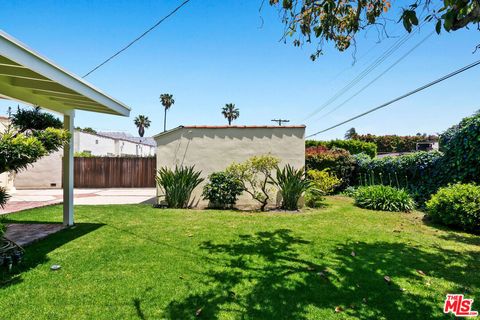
(337, 161)
(352, 146)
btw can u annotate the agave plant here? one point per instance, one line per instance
(178, 184)
(292, 184)
(4, 196)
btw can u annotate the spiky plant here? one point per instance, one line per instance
(178, 184)
(292, 183)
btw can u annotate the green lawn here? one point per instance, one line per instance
(136, 262)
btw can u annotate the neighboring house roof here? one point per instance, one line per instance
(227, 127)
(128, 137)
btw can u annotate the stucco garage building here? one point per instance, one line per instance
(213, 148)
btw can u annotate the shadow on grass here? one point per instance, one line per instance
(36, 253)
(454, 233)
(272, 275)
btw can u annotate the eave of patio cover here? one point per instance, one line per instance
(27, 77)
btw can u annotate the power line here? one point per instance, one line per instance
(361, 75)
(138, 38)
(407, 36)
(379, 76)
(474, 64)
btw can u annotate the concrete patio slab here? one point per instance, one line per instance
(24, 234)
(28, 199)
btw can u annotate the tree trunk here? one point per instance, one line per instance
(229, 121)
(141, 132)
(165, 121)
(264, 204)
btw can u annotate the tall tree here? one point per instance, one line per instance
(142, 122)
(167, 101)
(350, 134)
(230, 112)
(34, 134)
(339, 22)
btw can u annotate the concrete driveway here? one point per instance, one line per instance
(27, 199)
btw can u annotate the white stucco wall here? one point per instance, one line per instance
(213, 149)
(43, 174)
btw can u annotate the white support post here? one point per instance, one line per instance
(68, 120)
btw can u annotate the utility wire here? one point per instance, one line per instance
(379, 76)
(138, 38)
(366, 71)
(474, 64)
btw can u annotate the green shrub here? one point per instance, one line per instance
(338, 161)
(178, 185)
(254, 174)
(291, 183)
(386, 198)
(222, 190)
(314, 198)
(457, 205)
(352, 146)
(83, 154)
(350, 191)
(323, 181)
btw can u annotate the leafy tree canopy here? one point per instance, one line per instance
(34, 119)
(35, 134)
(339, 22)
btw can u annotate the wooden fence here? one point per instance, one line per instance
(114, 172)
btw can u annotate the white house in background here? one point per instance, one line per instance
(47, 172)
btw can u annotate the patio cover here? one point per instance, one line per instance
(27, 77)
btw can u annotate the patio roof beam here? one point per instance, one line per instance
(4, 60)
(35, 84)
(85, 102)
(18, 72)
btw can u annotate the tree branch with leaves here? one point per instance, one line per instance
(34, 134)
(339, 22)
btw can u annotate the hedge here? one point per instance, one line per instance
(461, 146)
(421, 172)
(394, 143)
(352, 146)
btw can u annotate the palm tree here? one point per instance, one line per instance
(167, 102)
(142, 122)
(230, 112)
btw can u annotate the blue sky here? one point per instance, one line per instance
(215, 52)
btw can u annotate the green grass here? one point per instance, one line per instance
(136, 262)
